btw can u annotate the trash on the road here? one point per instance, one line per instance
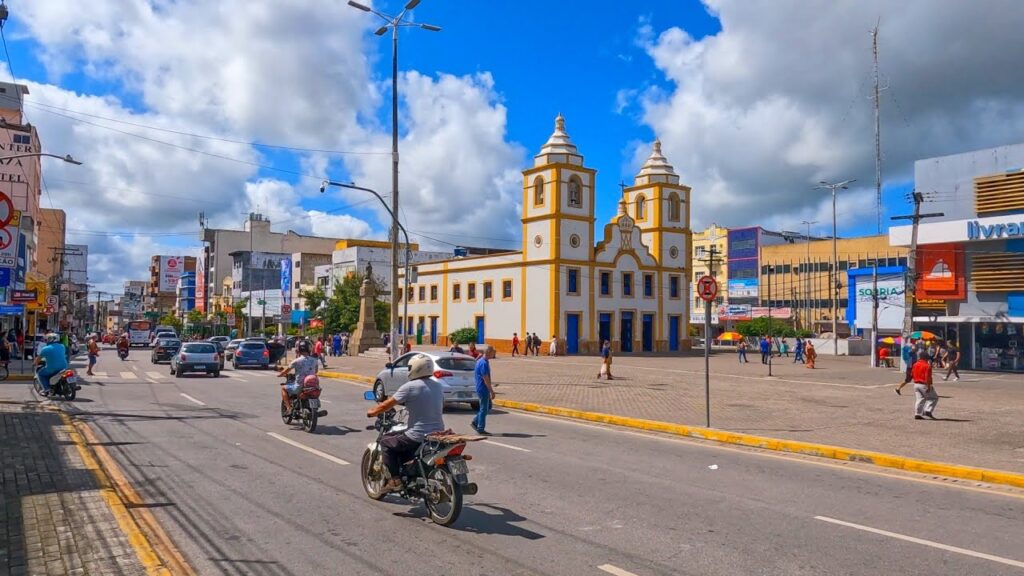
(713, 467)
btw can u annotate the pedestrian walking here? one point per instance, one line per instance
(811, 354)
(527, 344)
(484, 390)
(336, 344)
(94, 352)
(784, 348)
(536, 344)
(741, 350)
(766, 350)
(952, 359)
(515, 344)
(907, 353)
(798, 350)
(318, 351)
(924, 389)
(606, 360)
(553, 347)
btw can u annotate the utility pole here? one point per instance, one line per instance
(834, 272)
(711, 260)
(770, 270)
(874, 314)
(908, 308)
(807, 278)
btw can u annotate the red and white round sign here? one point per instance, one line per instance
(707, 288)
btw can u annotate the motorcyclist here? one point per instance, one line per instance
(303, 366)
(55, 359)
(423, 398)
(122, 344)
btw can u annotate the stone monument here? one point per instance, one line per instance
(366, 336)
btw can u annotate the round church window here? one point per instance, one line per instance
(673, 252)
(574, 240)
(538, 241)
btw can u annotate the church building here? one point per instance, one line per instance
(630, 286)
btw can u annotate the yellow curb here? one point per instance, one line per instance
(347, 376)
(777, 444)
(117, 493)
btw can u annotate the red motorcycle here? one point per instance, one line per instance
(305, 406)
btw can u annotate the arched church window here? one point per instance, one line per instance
(641, 207)
(575, 192)
(538, 191)
(674, 207)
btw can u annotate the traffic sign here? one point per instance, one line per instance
(6, 210)
(49, 309)
(707, 288)
(51, 300)
(286, 308)
(231, 319)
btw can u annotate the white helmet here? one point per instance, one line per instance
(420, 367)
(52, 337)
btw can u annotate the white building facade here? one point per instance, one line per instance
(630, 287)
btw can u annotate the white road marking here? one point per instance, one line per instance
(100, 374)
(924, 542)
(323, 455)
(187, 397)
(327, 401)
(127, 375)
(155, 375)
(507, 446)
(615, 570)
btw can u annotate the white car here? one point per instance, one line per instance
(454, 371)
(196, 357)
(160, 335)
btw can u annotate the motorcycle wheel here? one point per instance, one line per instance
(378, 391)
(373, 482)
(445, 505)
(309, 420)
(286, 416)
(69, 392)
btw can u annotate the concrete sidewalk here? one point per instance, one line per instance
(55, 517)
(844, 402)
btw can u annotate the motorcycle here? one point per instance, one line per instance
(437, 474)
(305, 407)
(122, 353)
(63, 384)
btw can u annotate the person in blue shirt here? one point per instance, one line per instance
(798, 351)
(55, 357)
(766, 350)
(484, 390)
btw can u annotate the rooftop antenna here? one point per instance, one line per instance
(878, 127)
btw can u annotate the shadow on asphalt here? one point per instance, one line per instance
(336, 430)
(135, 417)
(476, 519)
(517, 435)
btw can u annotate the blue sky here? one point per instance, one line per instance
(754, 102)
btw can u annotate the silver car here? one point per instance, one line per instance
(196, 357)
(454, 371)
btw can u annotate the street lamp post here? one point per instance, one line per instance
(67, 157)
(408, 258)
(394, 23)
(807, 276)
(835, 258)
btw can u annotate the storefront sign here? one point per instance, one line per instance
(23, 296)
(891, 302)
(941, 272)
(978, 231)
(973, 230)
(762, 312)
(743, 288)
(698, 318)
(734, 311)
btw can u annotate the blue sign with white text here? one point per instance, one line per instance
(12, 309)
(5, 277)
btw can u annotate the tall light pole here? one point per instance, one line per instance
(394, 23)
(807, 277)
(835, 259)
(67, 157)
(408, 256)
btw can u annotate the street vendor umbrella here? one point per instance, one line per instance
(889, 340)
(923, 335)
(728, 336)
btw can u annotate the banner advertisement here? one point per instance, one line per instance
(762, 312)
(171, 268)
(743, 288)
(286, 280)
(40, 290)
(200, 300)
(132, 302)
(891, 303)
(734, 311)
(698, 318)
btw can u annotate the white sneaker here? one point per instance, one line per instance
(956, 379)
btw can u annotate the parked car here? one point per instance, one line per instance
(164, 349)
(196, 357)
(290, 341)
(229, 350)
(251, 353)
(453, 370)
(161, 335)
(222, 339)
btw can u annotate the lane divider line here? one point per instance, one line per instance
(138, 524)
(191, 399)
(795, 446)
(923, 542)
(507, 446)
(127, 375)
(615, 570)
(300, 446)
(156, 375)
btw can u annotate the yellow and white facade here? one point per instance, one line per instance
(631, 287)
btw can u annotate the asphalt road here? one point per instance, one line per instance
(212, 459)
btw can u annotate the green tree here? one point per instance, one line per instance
(464, 335)
(196, 316)
(760, 327)
(342, 311)
(313, 298)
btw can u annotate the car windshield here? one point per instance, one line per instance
(253, 346)
(199, 348)
(169, 343)
(464, 364)
(235, 342)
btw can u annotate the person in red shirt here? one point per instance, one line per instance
(515, 344)
(883, 356)
(318, 351)
(924, 391)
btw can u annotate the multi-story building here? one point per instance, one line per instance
(164, 273)
(710, 256)
(256, 236)
(20, 177)
(798, 281)
(629, 288)
(185, 294)
(969, 261)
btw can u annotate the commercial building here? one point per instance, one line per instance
(630, 287)
(796, 279)
(132, 303)
(256, 236)
(351, 256)
(186, 294)
(20, 182)
(969, 261)
(710, 257)
(164, 273)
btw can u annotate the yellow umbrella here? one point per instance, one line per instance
(727, 336)
(888, 340)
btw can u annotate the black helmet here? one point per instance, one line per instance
(302, 346)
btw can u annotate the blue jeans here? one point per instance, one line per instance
(480, 420)
(743, 356)
(44, 375)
